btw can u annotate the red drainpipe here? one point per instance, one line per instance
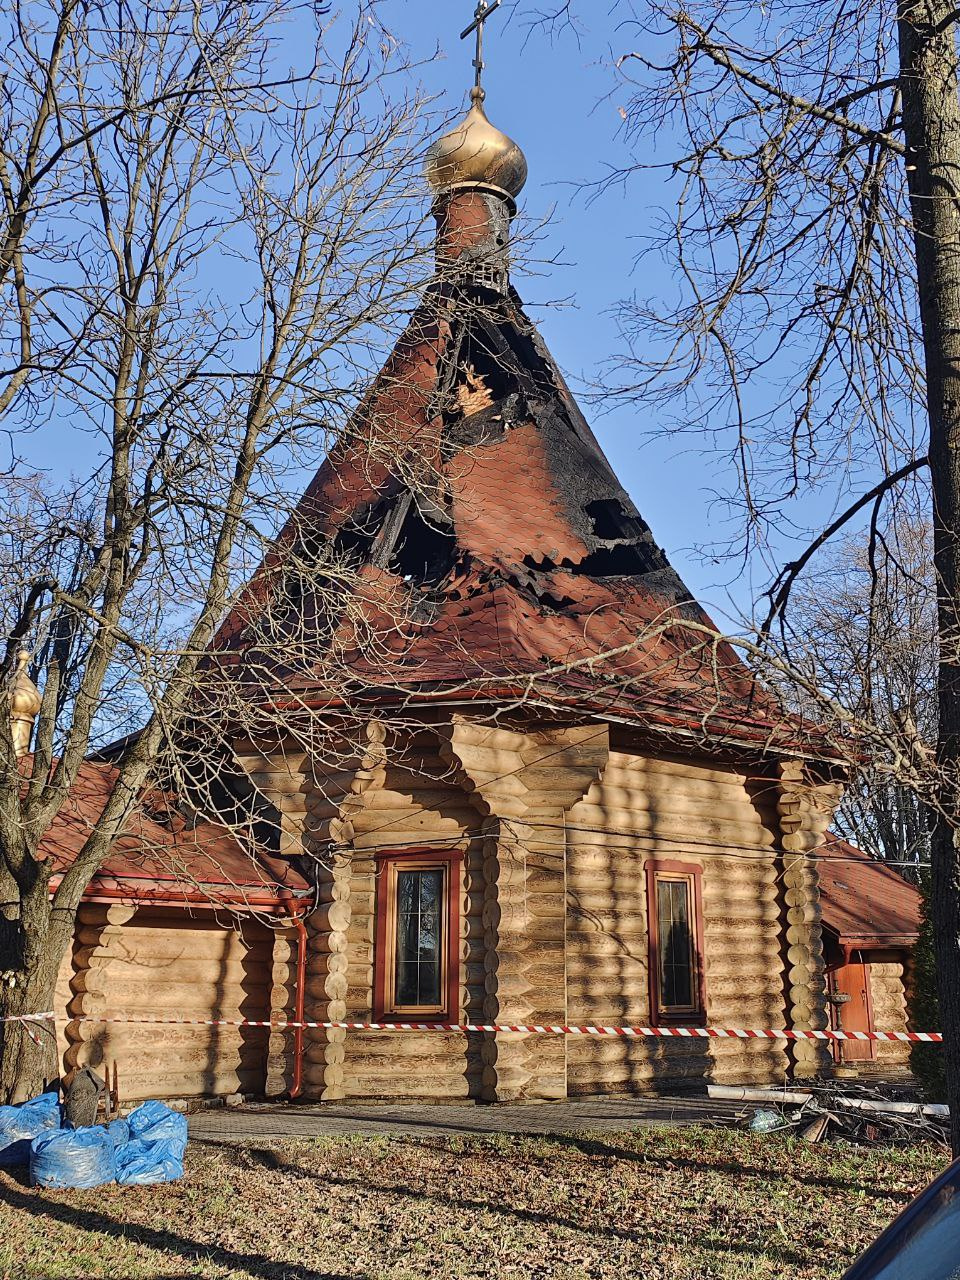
(296, 1087)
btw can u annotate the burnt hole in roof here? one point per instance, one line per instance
(611, 522)
(543, 565)
(424, 551)
(623, 560)
(527, 357)
(351, 544)
(484, 372)
(553, 603)
(355, 536)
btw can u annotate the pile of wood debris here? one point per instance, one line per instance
(844, 1109)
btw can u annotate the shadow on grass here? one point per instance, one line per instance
(390, 1124)
(268, 1159)
(250, 1264)
(596, 1147)
(593, 1147)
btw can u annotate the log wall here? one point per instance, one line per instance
(416, 807)
(723, 821)
(805, 807)
(889, 999)
(555, 826)
(523, 784)
(153, 962)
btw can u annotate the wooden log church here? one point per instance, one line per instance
(571, 803)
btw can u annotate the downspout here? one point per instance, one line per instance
(292, 907)
(296, 1087)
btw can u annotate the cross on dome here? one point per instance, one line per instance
(475, 152)
(483, 12)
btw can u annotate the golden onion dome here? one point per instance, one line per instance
(23, 703)
(24, 696)
(476, 151)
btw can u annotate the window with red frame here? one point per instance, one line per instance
(676, 936)
(417, 938)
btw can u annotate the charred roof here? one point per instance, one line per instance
(472, 482)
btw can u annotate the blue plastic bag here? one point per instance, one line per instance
(73, 1158)
(155, 1122)
(21, 1124)
(119, 1131)
(141, 1163)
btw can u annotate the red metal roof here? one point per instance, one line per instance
(550, 564)
(864, 902)
(162, 857)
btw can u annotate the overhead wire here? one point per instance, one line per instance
(704, 848)
(708, 847)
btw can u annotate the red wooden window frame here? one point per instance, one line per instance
(385, 1008)
(690, 872)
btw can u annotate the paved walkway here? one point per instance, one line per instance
(256, 1123)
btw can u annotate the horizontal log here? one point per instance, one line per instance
(169, 943)
(597, 944)
(427, 794)
(498, 750)
(330, 986)
(752, 985)
(325, 1083)
(276, 785)
(393, 825)
(658, 792)
(628, 764)
(162, 1036)
(231, 968)
(139, 1088)
(321, 943)
(622, 924)
(331, 1054)
(764, 926)
(127, 1006)
(393, 1086)
(331, 917)
(164, 987)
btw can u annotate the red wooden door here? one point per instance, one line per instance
(854, 1014)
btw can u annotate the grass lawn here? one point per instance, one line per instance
(687, 1204)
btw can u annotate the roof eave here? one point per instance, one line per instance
(655, 722)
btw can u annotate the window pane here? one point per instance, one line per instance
(677, 978)
(417, 979)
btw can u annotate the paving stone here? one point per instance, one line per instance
(254, 1123)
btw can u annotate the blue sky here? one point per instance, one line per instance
(560, 102)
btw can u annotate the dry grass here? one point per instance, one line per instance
(685, 1204)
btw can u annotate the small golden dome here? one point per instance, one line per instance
(23, 701)
(475, 151)
(24, 695)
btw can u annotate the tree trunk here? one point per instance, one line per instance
(29, 1059)
(931, 117)
(32, 946)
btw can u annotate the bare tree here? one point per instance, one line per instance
(202, 252)
(808, 158)
(863, 624)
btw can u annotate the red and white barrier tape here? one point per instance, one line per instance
(685, 1033)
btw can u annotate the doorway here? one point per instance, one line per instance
(853, 1013)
